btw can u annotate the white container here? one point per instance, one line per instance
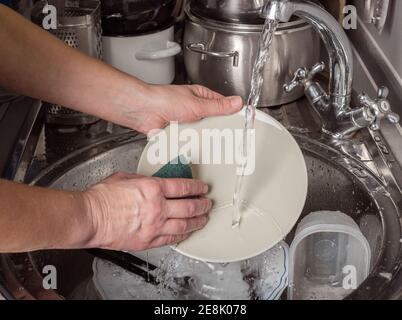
(329, 257)
(148, 57)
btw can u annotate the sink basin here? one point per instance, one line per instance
(336, 182)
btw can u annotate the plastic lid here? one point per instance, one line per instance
(329, 221)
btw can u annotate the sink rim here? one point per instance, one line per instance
(391, 228)
(389, 259)
(317, 148)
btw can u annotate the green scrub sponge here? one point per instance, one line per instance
(177, 168)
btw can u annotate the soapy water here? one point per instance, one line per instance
(257, 81)
(194, 279)
(310, 290)
(263, 277)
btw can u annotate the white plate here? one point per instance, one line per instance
(276, 191)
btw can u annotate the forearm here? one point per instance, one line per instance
(37, 64)
(34, 218)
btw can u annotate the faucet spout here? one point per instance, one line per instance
(335, 40)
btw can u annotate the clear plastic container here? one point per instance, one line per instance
(329, 257)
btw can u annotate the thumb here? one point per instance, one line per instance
(221, 106)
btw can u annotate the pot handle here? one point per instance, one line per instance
(172, 49)
(200, 48)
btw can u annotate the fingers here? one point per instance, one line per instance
(182, 188)
(205, 93)
(184, 226)
(187, 208)
(168, 240)
(177, 230)
(214, 104)
(221, 106)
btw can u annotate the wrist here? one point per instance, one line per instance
(86, 224)
(130, 100)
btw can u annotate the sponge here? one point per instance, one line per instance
(176, 168)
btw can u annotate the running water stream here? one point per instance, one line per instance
(257, 81)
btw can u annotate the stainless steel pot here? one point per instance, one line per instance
(244, 11)
(221, 56)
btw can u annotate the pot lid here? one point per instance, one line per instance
(232, 11)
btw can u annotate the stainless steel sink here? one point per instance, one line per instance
(336, 182)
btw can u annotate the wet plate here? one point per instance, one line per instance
(273, 193)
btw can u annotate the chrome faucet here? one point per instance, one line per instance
(338, 118)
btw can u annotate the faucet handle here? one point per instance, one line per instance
(303, 75)
(382, 92)
(379, 108)
(317, 68)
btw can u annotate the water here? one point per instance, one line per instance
(194, 279)
(148, 272)
(179, 277)
(257, 81)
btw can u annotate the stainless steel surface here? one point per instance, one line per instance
(6, 96)
(380, 108)
(57, 114)
(374, 69)
(200, 48)
(349, 175)
(303, 75)
(26, 144)
(60, 140)
(359, 175)
(376, 65)
(243, 11)
(338, 119)
(79, 26)
(337, 45)
(370, 114)
(22, 136)
(376, 13)
(221, 56)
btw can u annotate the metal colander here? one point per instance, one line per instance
(79, 26)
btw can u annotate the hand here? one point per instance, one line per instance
(132, 212)
(185, 103)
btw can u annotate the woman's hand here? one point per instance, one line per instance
(132, 212)
(186, 103)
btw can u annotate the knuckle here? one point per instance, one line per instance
(152, 188)
(199, 89)
(220, 105)
(155, 208)
(170, 240)
(191, 208)
(186, 188)
(179, 238)
(148, 234)
(140, 245)
(199, 108)
(203, 206)
(207, 205)
(183, 226)
(201, 222)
